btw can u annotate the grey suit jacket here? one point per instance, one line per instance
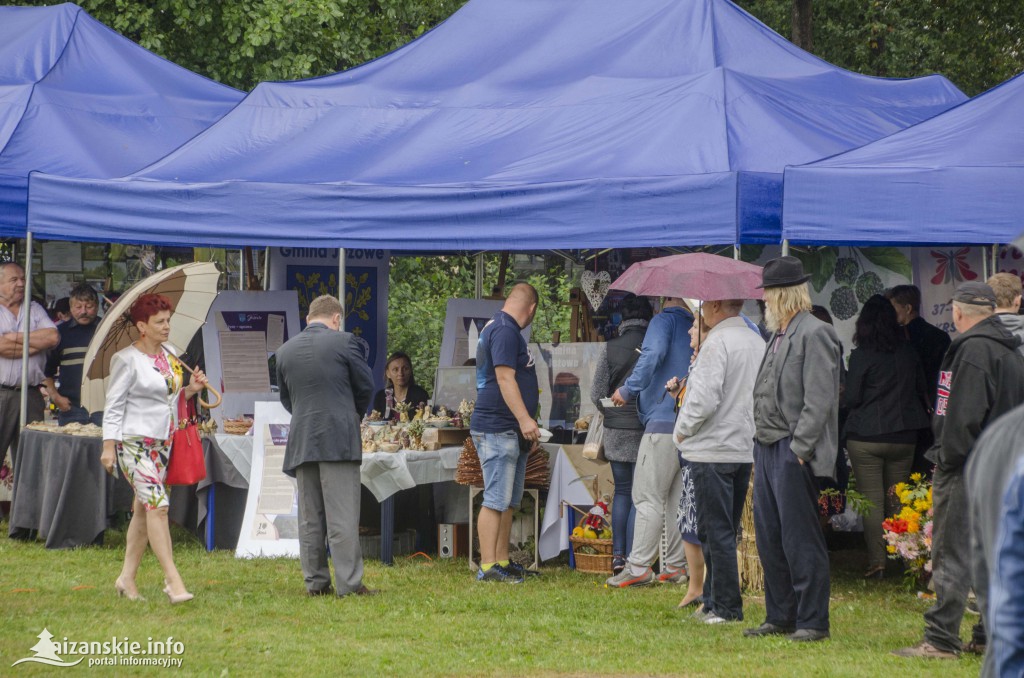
(808, 390)
(326, 385)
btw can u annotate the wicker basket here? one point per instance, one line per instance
(592, 563)
(237, 427)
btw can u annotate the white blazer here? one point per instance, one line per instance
(137, 400)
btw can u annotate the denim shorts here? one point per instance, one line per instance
(504, 465)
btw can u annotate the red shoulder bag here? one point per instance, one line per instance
(187, 465)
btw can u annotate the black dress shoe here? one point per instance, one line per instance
(326, 591)
(363, 591)
(808, 635)
(767, 629)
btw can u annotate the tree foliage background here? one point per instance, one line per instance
(422, 286)
(976, 44)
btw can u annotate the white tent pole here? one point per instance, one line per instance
(479, 278)
(341, 283)
(785, 248)
(995, 258)
(984, 262)
(736, 252)
(26, 328)
(241, 270)
(266, 269)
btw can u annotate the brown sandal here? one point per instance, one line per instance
(876, 572)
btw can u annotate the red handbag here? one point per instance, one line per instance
(187, 465)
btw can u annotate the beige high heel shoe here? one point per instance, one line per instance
(181, 598)
(123, 592)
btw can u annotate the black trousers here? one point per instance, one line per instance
(789, 539)
(721, 491)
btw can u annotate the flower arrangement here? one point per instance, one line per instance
(908, 534)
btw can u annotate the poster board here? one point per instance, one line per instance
(464, 320)
(313, 271)
(565, 373)
(62, 257)
(270, 526)
(452, 385)
(938, 271)
(242, 332)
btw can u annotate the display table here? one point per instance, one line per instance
(574, 480)
(62, 491)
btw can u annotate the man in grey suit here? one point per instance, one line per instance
(326, 385)
(796, 399)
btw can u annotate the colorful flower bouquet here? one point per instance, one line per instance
(908, 534)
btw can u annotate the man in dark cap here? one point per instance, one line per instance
(796, 406)
(981, 378)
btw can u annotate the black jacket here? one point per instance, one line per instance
(931, 345)
(885, 392)
(623, 352)
(981, 378)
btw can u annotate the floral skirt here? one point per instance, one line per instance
(143, 462)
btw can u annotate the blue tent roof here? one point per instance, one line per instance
(956, 178)
(532, 124)
(79, 100)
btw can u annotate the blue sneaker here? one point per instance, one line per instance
(498, 573)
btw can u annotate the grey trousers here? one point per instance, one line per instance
(329, 515)
(951, 561)
(657, 485)
(879, 466)
(10, 418)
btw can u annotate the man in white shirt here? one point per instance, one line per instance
(714, 432)
(42, 337)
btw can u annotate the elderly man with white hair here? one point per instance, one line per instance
(714, 432)
(981, 378)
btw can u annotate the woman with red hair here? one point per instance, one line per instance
(138, 420)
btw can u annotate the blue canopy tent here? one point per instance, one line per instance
(956, 178)
(535, 124)
(77, 99)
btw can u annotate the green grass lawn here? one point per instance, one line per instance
(252, 617)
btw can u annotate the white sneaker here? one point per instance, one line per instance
(714, 619)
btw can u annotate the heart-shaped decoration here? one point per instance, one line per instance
(595, 286)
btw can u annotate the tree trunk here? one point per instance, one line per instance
(802, 24)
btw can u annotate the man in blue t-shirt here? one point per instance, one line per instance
(68, 357)
(503, 428)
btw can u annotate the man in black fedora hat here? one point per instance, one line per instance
(796, 398)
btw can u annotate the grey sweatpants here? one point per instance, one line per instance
(657, 485)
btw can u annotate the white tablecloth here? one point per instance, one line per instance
(383, 473)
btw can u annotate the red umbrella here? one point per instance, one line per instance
(707, 277)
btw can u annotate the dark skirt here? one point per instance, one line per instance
(686, 516)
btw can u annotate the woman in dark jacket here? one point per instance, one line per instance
(622, 427)
(887, 401)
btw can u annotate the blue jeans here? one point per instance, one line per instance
(503, 461)
(623, 512)
(79, 415)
